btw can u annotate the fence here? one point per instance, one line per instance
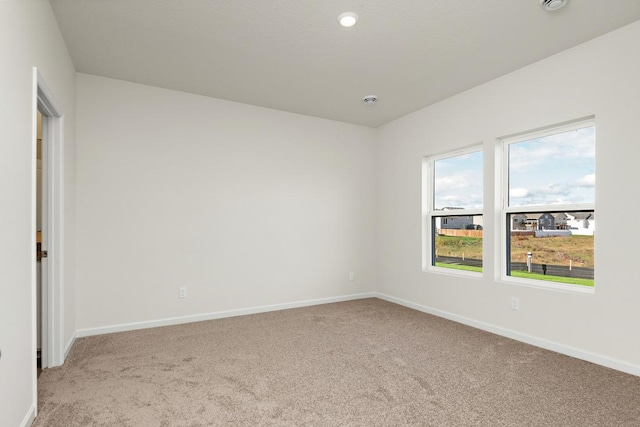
(459, 233)
(548, 269)
(555, 270)
(514, 233)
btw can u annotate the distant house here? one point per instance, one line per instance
(582, 223)
(546, 221)
(560, 220)
(455, 222)
(524, 222)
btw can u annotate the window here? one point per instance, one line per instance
(549, 206)
(453, 211)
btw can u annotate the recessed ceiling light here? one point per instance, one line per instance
(347, 19)
(370, 99)
(551, 5)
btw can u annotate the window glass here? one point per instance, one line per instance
(550, 206)
(553, 169)
(458, 182)
(458, 242)
(455, 214)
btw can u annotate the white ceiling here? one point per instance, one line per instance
(292, 55)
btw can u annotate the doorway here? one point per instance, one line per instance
(41, 215)
(43, 193)
(48, 221)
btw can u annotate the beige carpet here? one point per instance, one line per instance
(357, 363)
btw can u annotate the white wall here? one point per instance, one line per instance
(29, 37)
(599, 77)
(245, 206)
(252, 207)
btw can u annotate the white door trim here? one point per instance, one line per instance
(44, 242)
(44, 100)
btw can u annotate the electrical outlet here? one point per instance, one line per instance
(515, 303)
(352, 276)
(182, 292)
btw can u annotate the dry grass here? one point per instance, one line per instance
(545, 250)
(554, 250)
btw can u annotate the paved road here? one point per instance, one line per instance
(552, 270)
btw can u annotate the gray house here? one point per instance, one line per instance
(455, 222)
(581, 223)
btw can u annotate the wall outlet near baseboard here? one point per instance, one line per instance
(352, 276)
(182, 292)
(515, 303)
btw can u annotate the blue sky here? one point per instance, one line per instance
(553, 169)
(458, 181)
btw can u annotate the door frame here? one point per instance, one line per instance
(53, 348)
(44, 243)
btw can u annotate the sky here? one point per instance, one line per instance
(555, 169)
(458, 181)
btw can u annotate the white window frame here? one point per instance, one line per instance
(505, 209)
(429, 213)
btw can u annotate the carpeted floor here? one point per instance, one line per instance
(358, 363)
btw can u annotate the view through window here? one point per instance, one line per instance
(549, 212)
(456, 211)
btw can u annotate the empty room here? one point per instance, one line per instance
(319, 213)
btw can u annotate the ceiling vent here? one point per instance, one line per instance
(551, 5)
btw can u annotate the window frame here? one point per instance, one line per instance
(502, 191)
(429, 213)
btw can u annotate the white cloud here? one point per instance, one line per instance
(549, 150)
(554, 189)
(587, 180)
(458, 181)
(518, 192)
(451, 182)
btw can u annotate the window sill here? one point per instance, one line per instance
(553, 286)
(453, 272)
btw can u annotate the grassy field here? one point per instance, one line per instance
(459, 247)
(548, 278)
(526, 275)
(545, 250)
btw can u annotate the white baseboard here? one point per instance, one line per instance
(30, 417)
(538, 342)
(67, 348)
(216, 315)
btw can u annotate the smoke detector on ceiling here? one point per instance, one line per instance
(370, 99)
(551, 5)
